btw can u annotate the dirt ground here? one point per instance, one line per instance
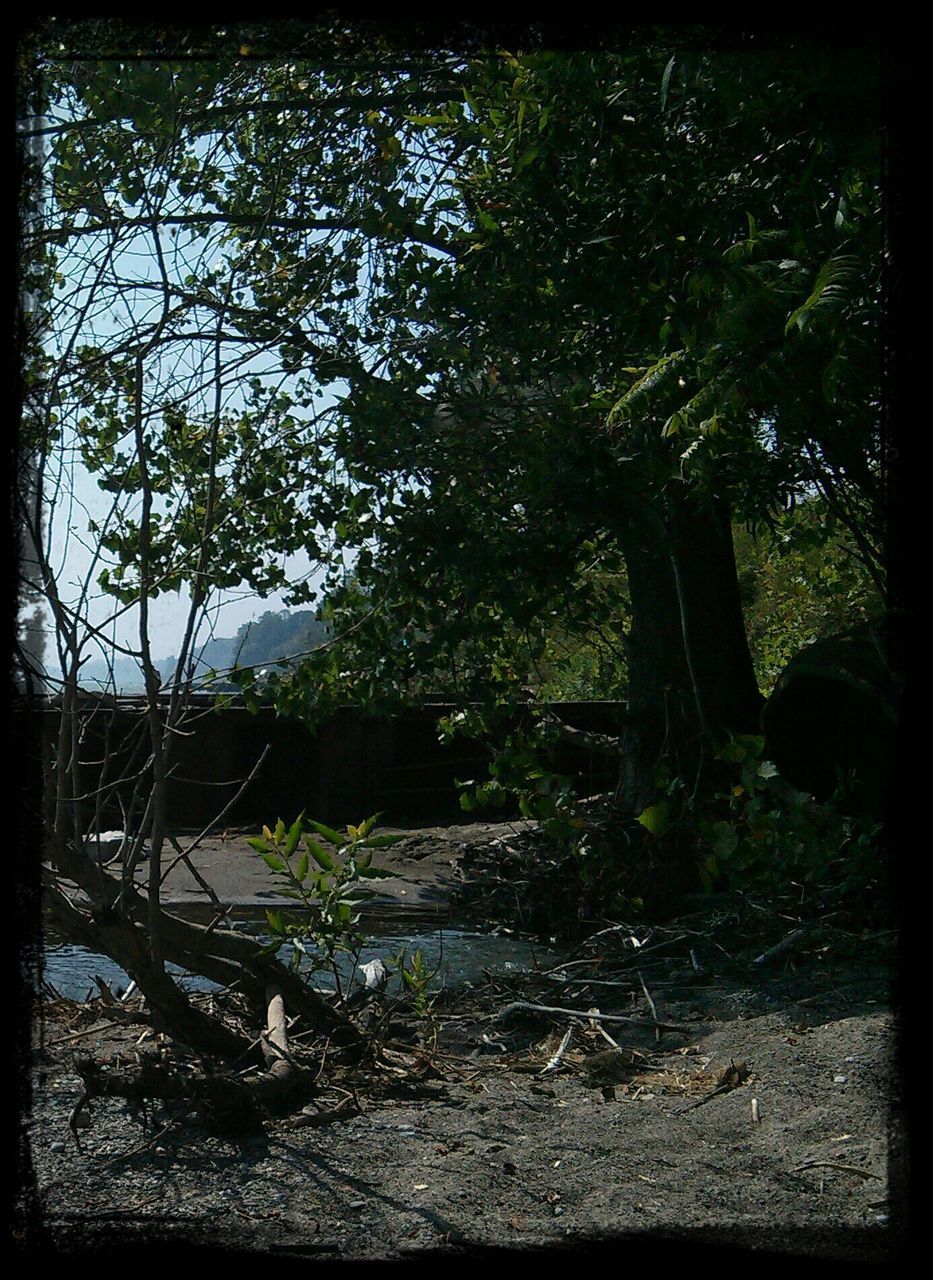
(748, 1108)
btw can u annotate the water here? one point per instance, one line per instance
(457, 955)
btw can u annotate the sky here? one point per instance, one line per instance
(104, 291)
(123, 294)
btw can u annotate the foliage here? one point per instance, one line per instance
(323, 881)
(802, 583)
(800, 580)
(416, 979)
(685, 237)
(761, 834)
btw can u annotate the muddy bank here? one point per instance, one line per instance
(428, 866)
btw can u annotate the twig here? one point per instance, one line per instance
(736, 1075)
(831, 1164)
(589, 982)
(598, 1026)
(618, 928)
(596, 961)
(313, 1120)
(507, 1010)
(218, 817)
(135, 1151)
(654, 946)
(78, 1035)
(786, 944)
(73, 1118)
(554, 1062)
(654, 1012)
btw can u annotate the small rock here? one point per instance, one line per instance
(57, 1147)
(357, 1204)
(840, 1079)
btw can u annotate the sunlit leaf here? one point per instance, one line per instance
(655, 818)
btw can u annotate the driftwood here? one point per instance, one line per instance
(601, 743)
(523, 1006)
(228, 958)
(225, 1101)
(283, 1077)
(781, 948)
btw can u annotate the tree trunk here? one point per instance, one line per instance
(715, 643)
(691, 678)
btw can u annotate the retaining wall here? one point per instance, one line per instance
(349, 768)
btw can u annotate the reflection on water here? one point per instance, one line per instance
(457, 955)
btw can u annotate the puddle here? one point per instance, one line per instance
(457, 955)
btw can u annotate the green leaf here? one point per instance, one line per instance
(329, 834)
(294, 835)
(374, 873)
(666, 81)
(382, 842)
(655, 818)
(724, 840)
(276, 923)
(367, 826)
(320, 855)
(257, 843)
(270, 859)
(302, 869)
(526, 158)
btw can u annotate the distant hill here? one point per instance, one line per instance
(273, 636)
(278, 635)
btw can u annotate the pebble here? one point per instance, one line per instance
(840, 1079)
(357, 1204)
(57, 1147)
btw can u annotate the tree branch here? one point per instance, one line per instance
(260, 220)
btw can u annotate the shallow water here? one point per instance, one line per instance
(457, 955)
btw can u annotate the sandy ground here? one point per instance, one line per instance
(801, 1156)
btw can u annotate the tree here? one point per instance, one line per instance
(135, 381)
(484, 320)
(661, 303)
